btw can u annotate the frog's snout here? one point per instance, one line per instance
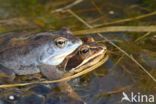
(78, 41)
(104, 48)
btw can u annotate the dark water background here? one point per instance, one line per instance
(106, 84)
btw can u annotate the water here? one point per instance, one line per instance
(106, 84)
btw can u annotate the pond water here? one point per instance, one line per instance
(119, 74)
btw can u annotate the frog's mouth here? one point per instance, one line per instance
(90, 61)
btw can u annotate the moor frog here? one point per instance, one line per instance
(85, 56)
(25, 55)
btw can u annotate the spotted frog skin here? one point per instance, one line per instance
(25, 55)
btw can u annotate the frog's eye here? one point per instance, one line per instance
(60, 42)
(84, 50)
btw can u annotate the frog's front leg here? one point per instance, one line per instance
(27, 70)
(67, 89)
(52, 73)
(6, 74)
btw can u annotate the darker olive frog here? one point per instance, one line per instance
(25, 55)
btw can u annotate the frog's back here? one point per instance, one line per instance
(20, 52)
(7, 39)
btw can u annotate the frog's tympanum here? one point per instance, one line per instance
(25, 55)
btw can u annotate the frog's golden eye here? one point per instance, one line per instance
(84, 50)
(60, 42)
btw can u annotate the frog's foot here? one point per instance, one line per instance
(66, 88)
(6, 75)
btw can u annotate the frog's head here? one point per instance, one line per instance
(56, 46)
(85, 56)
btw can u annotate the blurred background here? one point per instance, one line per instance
(106, 84)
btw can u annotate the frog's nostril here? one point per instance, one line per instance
(78, 41)
(104, 47)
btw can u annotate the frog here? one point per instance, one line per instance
(25, 55)
(86, 55)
